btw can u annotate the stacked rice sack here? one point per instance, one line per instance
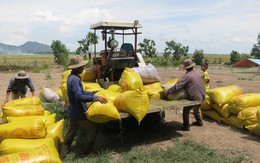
(132, 93)
(97, 112)
(29, 133)
(153, 87)
(255, 128)
(137, 87)
(216, 104)
(231, 106)
(132, 99)
(128, 96)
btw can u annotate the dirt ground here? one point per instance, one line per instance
(228, 140)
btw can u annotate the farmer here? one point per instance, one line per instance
(205, 75)
(191, 82)
(77, 99)
(17, 86)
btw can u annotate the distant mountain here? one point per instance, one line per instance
(27, 48)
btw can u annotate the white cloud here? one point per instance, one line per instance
(46, 15)
(216, 26)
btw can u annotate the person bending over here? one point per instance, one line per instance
(18, 86)
(191, 82)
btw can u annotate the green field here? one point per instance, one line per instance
(216, 57)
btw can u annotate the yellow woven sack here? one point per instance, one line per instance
(9, 146)
(54, 131)
(154, 91)
(255, 129)
(24, 101)
(48, 119)
(258, 116)
(233, 121)
(206, 104)
(46, 112)
(101, 113)
(212, 114)
(23, 129)
(223, 95)
(41, 93)
(135, 102)
(155, 85)
(244, 101)
(223, 110)
(155, 95)
(171, 82)
(59, 92)
(114, 88)
(88, 75)
(44, 153)
(130, 80)
(248, 115)
(23, 110)
(88, 86)
(65, 76)
(110, 94)
(63, 88)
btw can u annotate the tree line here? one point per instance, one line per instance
(174, 53)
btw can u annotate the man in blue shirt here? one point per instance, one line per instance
(17, 86)
(77, 99)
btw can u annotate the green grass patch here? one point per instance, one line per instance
(182, 152)
(55, 107)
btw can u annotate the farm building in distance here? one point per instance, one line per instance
(247, 65)
(247, 62)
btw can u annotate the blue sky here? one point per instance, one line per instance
(215, 26)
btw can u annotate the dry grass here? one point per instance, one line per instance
(34, 63)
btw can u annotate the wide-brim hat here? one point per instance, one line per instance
(21, 75)
(188, 63)
(76, 62)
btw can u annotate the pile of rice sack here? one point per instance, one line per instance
(29, 133)
(131, 94)
(231, 106)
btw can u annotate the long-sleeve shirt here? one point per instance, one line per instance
(78, 97)
(18, 85)
(191, 81)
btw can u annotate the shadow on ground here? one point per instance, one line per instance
(122, 137)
